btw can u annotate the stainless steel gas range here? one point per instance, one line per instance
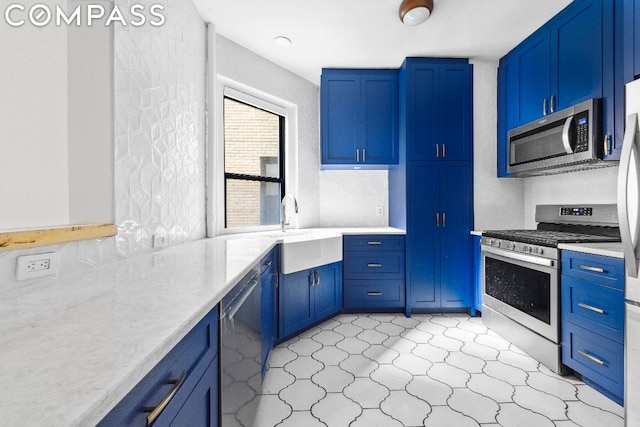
(521, 275)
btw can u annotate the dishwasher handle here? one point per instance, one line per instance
(237, 303)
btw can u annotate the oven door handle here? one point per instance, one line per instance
(520, 257)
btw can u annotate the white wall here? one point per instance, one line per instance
(498, 202)
(159, 143)
(584, 187)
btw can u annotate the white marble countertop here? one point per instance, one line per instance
(73, 347)
(613, 249)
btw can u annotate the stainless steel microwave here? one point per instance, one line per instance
(567, 140)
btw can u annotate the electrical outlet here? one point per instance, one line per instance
(160, 240)
(30, 266)
(380, 210)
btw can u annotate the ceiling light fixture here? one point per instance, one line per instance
(415, 12)
(282, 41)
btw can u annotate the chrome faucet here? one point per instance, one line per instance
(284, 218)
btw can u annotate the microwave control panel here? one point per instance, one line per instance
(582, 132)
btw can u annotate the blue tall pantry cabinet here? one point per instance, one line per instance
(431, 190)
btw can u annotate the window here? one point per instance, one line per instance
(253, 165)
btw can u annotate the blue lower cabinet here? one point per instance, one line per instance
(269, 308)
(187, 378)
(309, 296)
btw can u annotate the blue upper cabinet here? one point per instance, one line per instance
(631, 24)
(438, 102)
(568, 60)
(359, 117)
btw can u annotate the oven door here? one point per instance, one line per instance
(523, 288)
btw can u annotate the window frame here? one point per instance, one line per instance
(216, 202)
(282, 123)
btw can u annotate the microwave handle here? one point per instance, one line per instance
(565, 135)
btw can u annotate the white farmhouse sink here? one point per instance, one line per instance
(304, 249)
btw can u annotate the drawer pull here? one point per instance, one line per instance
(374, 265)
(592, 269)
(268, 263)
(155, 412)
(374, 294)
(590, 357)
(591, 308)
(374, 243)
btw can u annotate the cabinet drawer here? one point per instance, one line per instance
(377, 242)
(596, 357)
(594, 307)
(594, 268)
(373, 293)
(191, 357)
(374, 265)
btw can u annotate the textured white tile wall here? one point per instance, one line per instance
(159, 142)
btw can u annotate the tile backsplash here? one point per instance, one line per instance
(159, 142)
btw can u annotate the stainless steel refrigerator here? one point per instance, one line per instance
(629, 217)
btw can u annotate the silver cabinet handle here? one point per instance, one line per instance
(374, 265)
(364, 155)
(544, 107)
(437, 150)
(312, 279)
(268, 263)
(317, 278)
(374, 243)
(437, 219)
(444, 150)
(444, 219)
(552, 102)
(157, 410)
(606, 145)
(374, 294)
(358, 155)
(591, 308)
(590, 357)
(592, 269)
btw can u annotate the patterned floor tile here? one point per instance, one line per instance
(513, 415)
(336, 410)
(303, 367)
(366, 392)
(474, 405)
(441, 416)
(375, 418)
(327, 337)
(362, 370)
(302, 395)
(333, 379)
(431, 391)
(330, 355)
(358, 365)
(407, 409)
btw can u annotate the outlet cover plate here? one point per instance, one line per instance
(160, 240)
(38, 265)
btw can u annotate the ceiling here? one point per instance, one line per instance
(369, 34)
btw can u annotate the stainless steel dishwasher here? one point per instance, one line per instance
(240, 352)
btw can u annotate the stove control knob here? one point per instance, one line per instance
(488, 242)
(540, 251)
(526, 248)
(512, 246)
(497, 243)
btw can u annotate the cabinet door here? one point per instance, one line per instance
(533, 67)
(422, 111)
(328, 290)
(296, 302)
(455, 112)
(576, 46)
(456, 199)
(423, 237)
(341, 117)
(507, 104)
(201, 408)
(380, 106)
